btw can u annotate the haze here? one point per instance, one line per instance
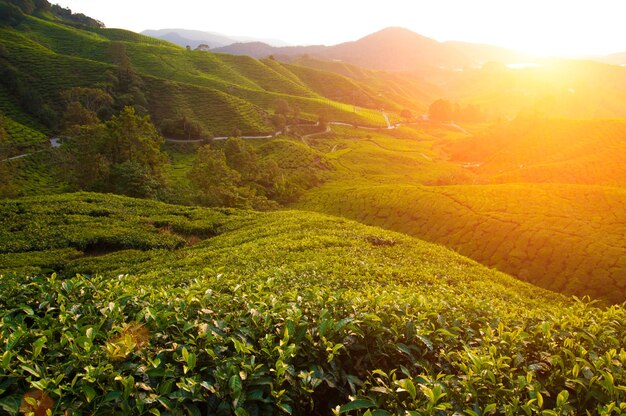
(557, 27)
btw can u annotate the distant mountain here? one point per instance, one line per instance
(193, 38)
(391, 49)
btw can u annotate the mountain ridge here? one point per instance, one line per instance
(390, 49)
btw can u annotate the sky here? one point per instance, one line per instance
(545, 27)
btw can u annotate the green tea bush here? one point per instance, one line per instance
(290, 313)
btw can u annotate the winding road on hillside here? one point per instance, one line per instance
(269, 136)
(55, 141)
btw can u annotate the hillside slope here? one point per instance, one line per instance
(563, 229)
(541, 234)
(221, 92)
(222, 311)
(549, 150)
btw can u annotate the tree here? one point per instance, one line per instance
(406, 115)
(93, 99)
(440, 110)
(184, 128)
(86, 163)
(215, 183)
(125, 86)
(134, 138)
(77, 115)
(279, 121)
(122, 155)
(133, 179)
(241, 157)
(281, 106)
(10, 14)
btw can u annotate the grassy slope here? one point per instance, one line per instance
(283, 312)
(565, 238)
(542, 234)
(220, 91)
(549, 150)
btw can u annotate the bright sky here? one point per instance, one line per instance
(559, 27)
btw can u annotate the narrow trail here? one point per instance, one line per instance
(269, 136)
(54, 143)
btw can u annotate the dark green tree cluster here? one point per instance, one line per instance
(75, 19)
(236, 175)
(125, 85)
(444, 110)
(284, 113)
(183, 128)
(85, 106)
(121, 155)
(12, 12)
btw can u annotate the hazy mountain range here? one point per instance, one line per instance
(390, 49)
(193, 38)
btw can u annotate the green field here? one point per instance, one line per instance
(422, 268)
(567, 238)
(182, 310)
(222, 92)
(549, 150)
(541, 234)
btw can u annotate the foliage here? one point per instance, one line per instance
(440, 110)
(281, 313)
(183, 128)
(123, 155)
(10, 14)
(539, 233)
(215, 182)
(79, 19)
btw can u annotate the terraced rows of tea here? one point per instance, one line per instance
(188, 310)
(549, 150)
(569, 239)
(221, 92)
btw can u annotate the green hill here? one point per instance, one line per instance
(221, 92)
(564, 237)
(190, 310)
(548, 150)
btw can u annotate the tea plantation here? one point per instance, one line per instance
(112, 305)
(567, 237)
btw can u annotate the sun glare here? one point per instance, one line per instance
(557, 27)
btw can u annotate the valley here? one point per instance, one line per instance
(392, 225)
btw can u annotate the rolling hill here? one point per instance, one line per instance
(549, 150)
(566, 235)
(221, 92)
(183, 309)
